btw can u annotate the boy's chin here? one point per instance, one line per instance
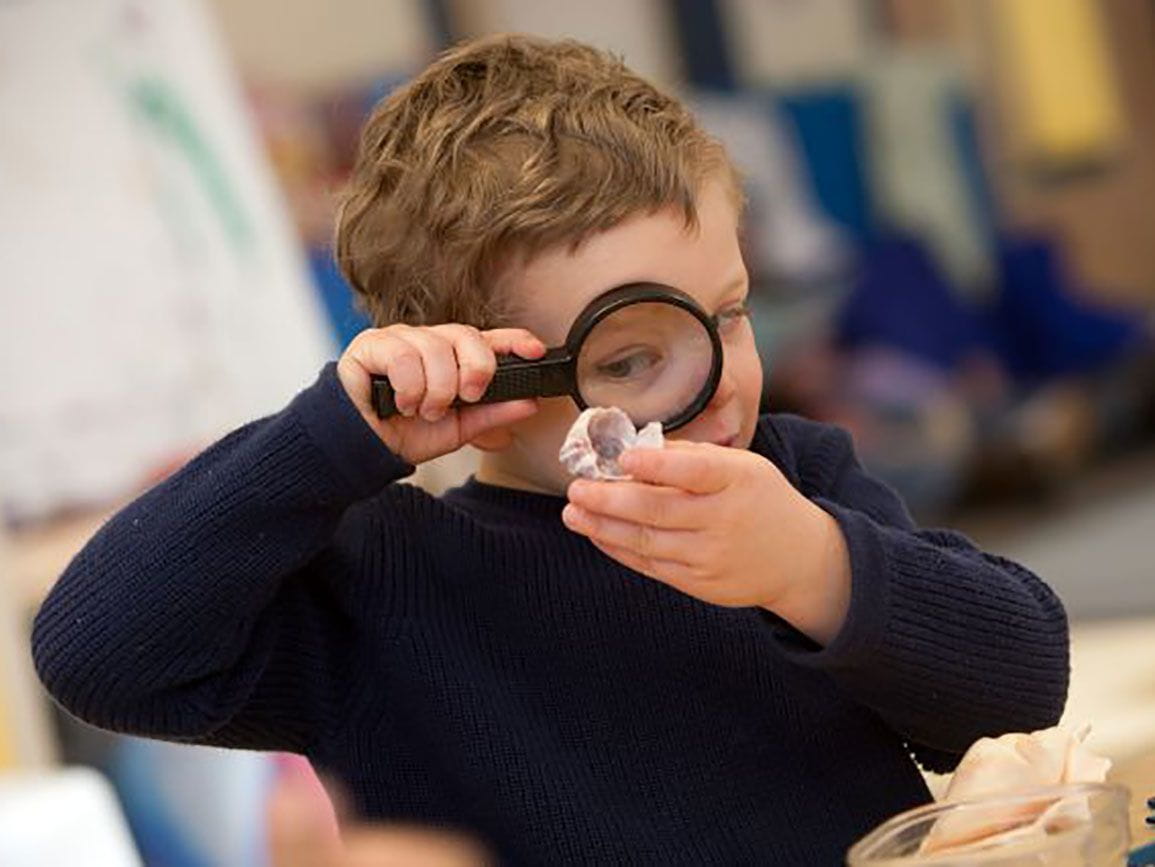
(504, 470)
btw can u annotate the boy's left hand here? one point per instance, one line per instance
(723, 525)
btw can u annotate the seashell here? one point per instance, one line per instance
(1013, 763)
(599, 436)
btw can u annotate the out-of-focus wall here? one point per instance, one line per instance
(1106, 218)
(1103, 216)
(303, 43)
(638, 29)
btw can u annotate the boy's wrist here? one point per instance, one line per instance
(817, 600)
(334, 426)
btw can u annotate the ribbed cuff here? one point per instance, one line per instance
(858, 641)
(948, 643)
(337, 429)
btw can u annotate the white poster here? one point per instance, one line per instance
(152, 294)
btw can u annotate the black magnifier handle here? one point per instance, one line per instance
(552, 375)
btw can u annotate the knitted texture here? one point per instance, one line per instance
(467, 661)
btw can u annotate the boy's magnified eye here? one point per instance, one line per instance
(629, 364)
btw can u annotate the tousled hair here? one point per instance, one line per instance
(503, 147)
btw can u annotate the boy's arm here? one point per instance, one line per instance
(209, 609)
(947, 643)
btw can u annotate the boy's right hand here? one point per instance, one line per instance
(429, 368)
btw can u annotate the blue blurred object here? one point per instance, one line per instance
(440, 20)
(788, 241)
(193, 806)
(828, 125)
(704, 49)
(1039, 325)
(347, 321)
(970, 154)
(902, 301)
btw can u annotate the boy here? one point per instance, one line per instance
(729, 660)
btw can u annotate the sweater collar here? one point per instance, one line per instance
(480, 496)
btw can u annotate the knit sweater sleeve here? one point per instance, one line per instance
(209, 610)
(945, 642)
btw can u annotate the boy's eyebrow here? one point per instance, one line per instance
(738, 282)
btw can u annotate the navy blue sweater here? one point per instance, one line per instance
(467, 661)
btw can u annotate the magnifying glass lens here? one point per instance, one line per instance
(652, 360)
(645, 348)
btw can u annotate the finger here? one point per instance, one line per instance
(389, 846)
(476, 361)
(297, 834)
(514, 341)
(476, 420)
(390, 355)
(645, 541)
(660, 570)
(439, 363)
(640, 502)
(701, 468)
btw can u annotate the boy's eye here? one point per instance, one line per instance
(634, 363)
(728, 319)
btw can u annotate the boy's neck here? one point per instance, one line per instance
(497, 469)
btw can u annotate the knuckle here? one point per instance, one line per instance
(653, 511)
(478, 370)
(487, 359)
(366, 341)
(404, 355)
(439, 394)
(699, 573)
(593, 524)
(451, 333)
(438, 343)
(471, 332)
(644, 541)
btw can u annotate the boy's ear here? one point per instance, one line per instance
(493, 440)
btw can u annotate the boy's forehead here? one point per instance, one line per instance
(547, 292)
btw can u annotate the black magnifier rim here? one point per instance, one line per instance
(637, 293)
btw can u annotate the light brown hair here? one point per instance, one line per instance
(502, 147)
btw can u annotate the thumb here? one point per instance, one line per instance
(476, 420)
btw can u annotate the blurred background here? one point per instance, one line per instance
(949, 234)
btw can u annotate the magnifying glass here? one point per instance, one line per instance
(645, 348)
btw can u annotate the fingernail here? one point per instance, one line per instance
(571, 515)
(472, 393)
(432, 415)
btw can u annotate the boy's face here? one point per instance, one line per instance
(550, 290)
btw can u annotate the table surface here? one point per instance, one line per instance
(1138, 774)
